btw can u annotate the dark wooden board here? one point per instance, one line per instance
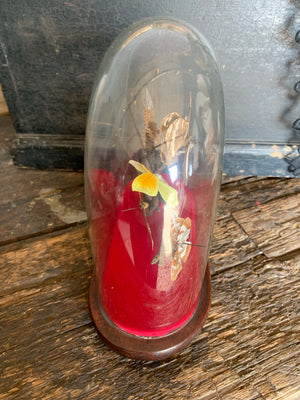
(246, 350)
(230, 246)
(274, 226)
(50, 210)
(16, 182)
(49, 349)
(30, 183)
(241, 194)
(33, 201)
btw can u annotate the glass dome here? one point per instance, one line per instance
(154, 145)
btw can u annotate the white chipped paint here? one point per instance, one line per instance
(276, 153)
(66, 214)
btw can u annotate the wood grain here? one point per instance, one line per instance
(49, 349)
(49, 249)
(246, 350)
(274, 226)
(230, 245)
(31, 201)
(248, 192)
(51, 209)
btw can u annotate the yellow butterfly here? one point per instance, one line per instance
(151, 184)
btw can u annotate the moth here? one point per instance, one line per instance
(175, 135)
(161, 149)
(175, 248)
(180, 232)
(152, 184)
(172, 135)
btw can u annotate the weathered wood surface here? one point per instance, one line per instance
(34, 201)
(248, 348)
(248, 192)
(231, 245)
(274, 226)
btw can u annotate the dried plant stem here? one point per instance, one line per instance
(191, 244)
(186, 165)
(130, 209)
(147, 224)
(190, 107)
(186, 156)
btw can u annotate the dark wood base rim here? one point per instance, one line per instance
(146, 348)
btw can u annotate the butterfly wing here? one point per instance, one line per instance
(176, 267)
(183, 235)
(180, 231)
(168, 193)
(138, 166)
(146, 183)
(175, 134)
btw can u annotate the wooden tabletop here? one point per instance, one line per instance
(247, 349)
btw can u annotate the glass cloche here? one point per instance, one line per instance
(154, 145)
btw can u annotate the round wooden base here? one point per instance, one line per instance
(150, 348)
